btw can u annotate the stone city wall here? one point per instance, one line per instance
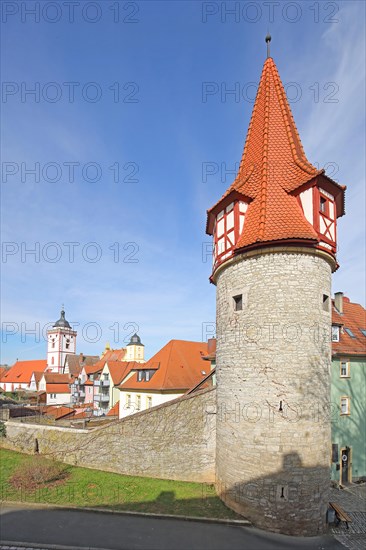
(175, 440)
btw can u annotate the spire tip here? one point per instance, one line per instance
(268, 40)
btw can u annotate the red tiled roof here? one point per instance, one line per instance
(273, 166)
(206, 382)
(55, 378)
(77, 362)
(110, 355)
(180, 368)
(114, 355)
(119, 369)
(37, 376)
(97, 367)
(114, 411)
(354, 318)
(3, 370)
(57, 412)
(57, 388)
(82, 414)
(21, 371)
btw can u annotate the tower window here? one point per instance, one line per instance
(323, 205)
(325, 302)
(238, 302)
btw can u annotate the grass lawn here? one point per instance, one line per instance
(95, 488)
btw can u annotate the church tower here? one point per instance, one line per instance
(135, 350)
(274, 236)
(61, 340)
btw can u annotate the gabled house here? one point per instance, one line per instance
(107, 391)
(35, 380)
(57, 388)
(74, 363)
(20, 374)
(348, 390)
(169, 374)
(82, 387)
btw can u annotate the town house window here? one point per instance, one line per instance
(345, 368)
(345, 406)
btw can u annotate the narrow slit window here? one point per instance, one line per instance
(325, 302)
(323, 205)
(238, 302)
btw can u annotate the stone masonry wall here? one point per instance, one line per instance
(273, 389)
(175, 440)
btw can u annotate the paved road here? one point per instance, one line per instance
(82, 529)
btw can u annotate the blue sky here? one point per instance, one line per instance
(160, 131)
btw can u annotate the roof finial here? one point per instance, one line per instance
(268, 39)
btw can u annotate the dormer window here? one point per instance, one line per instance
(335, 333)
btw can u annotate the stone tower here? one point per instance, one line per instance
(274, 233)
(61, 340)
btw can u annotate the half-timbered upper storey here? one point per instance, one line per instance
(278, 196)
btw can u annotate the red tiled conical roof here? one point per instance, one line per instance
(273, 165)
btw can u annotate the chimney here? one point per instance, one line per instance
(211, 346)
(338, 301)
